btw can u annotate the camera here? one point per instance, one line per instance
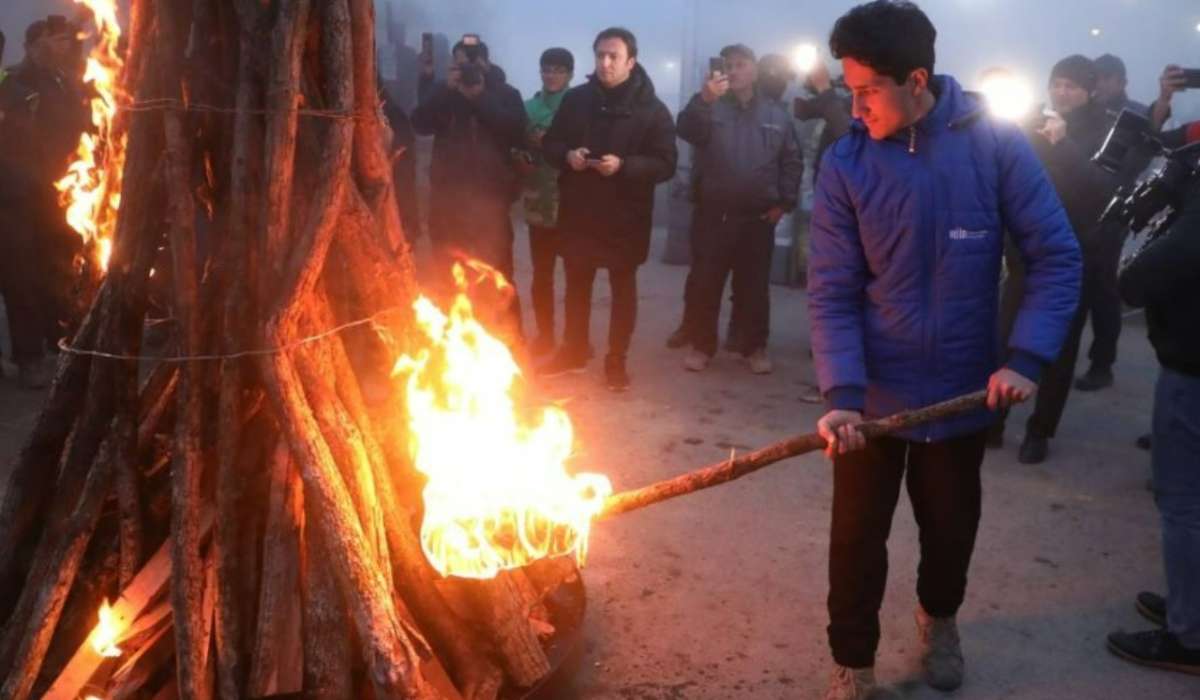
(1154, 203)
(471, 47)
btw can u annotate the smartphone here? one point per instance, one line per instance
(1191, 77)
(716, 66)
(593, 161)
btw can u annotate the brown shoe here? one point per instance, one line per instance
(760, 363)
(856, 684)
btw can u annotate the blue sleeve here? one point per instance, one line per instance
(1034, 217)
(837, 278)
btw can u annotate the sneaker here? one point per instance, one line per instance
(941, 651)
(811, 394)
(1034, 449)
(542, 345)
(695, 361)
(1153, 607)
(856, 684)
(678, 339)
(615, 375)
(1095, 379)
(1157, 649)
(759, 362)
(564, 362)
(33, 375)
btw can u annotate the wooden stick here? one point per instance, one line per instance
(736, 468)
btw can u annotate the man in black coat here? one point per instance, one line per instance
(614, 141)
(476, 119)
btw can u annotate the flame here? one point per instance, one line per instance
(104, 637)
(499, 495)
(90, 190)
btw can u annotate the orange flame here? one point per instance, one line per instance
(104, 637)
(499, 495)
(91, 190)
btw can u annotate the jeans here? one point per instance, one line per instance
(944, 487)
(1175, 458)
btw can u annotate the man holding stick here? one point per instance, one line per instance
(907, 237)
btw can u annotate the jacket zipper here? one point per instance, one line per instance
(912, 140)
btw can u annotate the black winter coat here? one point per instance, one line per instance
(472, 174)
(606, 221)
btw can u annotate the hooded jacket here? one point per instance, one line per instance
(606, 221)
(904, 263)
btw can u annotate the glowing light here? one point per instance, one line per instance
(91, 189)
(104, 637)
(1096, 31)
(1008, 96)
(805, 57)
(499, 495)
(670, 65)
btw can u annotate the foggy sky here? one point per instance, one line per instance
(1028, 36)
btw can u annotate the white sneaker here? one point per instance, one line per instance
(695, 361)
(760, 363)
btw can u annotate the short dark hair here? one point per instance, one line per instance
(558, 56)
(1109, 65)
(618, 33)
(483, 49)
(893, 37)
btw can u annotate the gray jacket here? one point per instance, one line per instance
(747, 159)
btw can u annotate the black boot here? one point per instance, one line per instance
(1153, 607)
(615, 375)
(1095, 379)
(1034, 449)
(1157, 649)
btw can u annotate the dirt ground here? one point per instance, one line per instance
(721, 595)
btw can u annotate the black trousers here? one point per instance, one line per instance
(1102, 300)
(943, 480)
(581, 277)
(23, 292)
(543, 248)
(725, 244)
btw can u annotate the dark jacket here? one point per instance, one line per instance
(904, 262)
(473, 142)
(1165, 279)
(832, 107)
(747, 157)
(44, 118)
(1084, 187)
(606, 221)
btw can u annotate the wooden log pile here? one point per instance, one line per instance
(251, 512)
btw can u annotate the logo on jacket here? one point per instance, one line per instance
(962, 234)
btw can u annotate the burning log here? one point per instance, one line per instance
(737, 467)
(287, 532)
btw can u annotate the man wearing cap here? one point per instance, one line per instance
(1111, 84)
(541, 191)
(748, 170)
(1065, 142)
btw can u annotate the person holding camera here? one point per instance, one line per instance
(748, 171)
(541, 191)
(476, 119)
(1159, 280)
(910, 216)
(825, 103)
(613, 141)
(1065, 138)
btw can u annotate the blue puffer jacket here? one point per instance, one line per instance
(905, 256)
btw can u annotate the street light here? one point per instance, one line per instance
(1096, 31)
(804, 58)
(1008, 96)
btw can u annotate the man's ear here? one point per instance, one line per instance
(919, 81)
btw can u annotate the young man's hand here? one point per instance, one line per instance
(577, 159)
(1007, 388)
(609, 165)
(840, 432)
(1055, 130)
